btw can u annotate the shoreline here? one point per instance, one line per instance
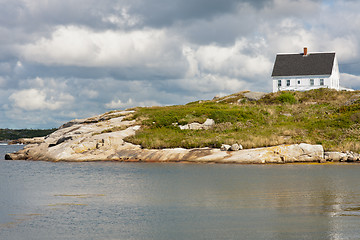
(194, 162)
(282, 154)
(86, 140)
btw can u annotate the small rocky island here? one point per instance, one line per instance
(113, 136)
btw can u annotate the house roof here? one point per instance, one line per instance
(300, 64)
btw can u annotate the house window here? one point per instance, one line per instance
(312, 82)
(321, 81)
(299, 82)
(287, 82)
(279, 83)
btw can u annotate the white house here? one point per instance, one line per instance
(305, 71)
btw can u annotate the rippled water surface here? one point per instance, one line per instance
(42, 200)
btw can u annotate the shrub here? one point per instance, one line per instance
(286, 97)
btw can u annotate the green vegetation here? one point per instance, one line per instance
(287, 97)
(12, 134)
(322, 116)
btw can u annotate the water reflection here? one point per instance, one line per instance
(179, 201)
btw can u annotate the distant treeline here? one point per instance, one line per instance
(12, 134)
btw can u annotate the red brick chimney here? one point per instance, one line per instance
(305, 51)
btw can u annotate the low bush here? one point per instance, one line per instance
(287, 97)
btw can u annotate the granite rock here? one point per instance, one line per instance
(101, 138)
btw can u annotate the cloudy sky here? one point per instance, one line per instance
(66, 59)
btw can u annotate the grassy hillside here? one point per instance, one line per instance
(322, 116)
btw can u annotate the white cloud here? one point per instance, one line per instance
(193, 68)
(31, 99)
(34, 99)
(122, 18)
(302, 9)
(211, 83)
(241, 60)
(89, 93)
(292, 25)
(80, 46)
(214, 68)
(349, 81)
(37, 83)
(2, 82)
(118, 104)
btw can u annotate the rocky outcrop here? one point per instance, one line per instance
(254, 96)
(236, 147)
(342, 156)
(209, 123)
(233, 147)
(101, 138)
(90, 139)
(240, 96)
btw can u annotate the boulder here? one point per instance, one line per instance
(216, 97)
(225, 147)
(342, 156)
(333, 156)
(352, 157)
(209, 123)
(254, 96)
(184, 127)
(236, 147)
(195, 126)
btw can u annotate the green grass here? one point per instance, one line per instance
(322, 116)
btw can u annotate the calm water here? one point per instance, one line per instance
(41, 200)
